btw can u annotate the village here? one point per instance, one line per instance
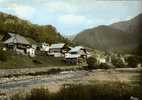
(21, 46)
(82, 65)
(101, 67)
(70, 50)
(71, 55)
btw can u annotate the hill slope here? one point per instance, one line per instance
(131, 26)
(10, 23)
(105, 38)
(115, 36)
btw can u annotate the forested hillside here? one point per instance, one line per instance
(39, 33)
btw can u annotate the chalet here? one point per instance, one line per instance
(31, 51)
(76, 55)
(58, 50)
(42, 49)
(16, 43)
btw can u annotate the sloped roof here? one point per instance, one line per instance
(11, 34)
(76, 49)
(15, 38)
(58, 45)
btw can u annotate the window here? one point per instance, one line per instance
(74, 53)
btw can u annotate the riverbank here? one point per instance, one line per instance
(49, 70)
(11, 85)
(33, 71)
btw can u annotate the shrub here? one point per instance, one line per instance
(133, 61)
(104, 91)
(36, 61)
(117, 62)
(92, 62)
(39, 94)
(105, 66)
(3, 55)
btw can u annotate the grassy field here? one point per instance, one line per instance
(20, 61)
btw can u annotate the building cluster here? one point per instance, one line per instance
(20, 45)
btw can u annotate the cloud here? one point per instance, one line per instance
(114, 20)
(59, 6)
(72, 16)
(72, 19)
(22, 11)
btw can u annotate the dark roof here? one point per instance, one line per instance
(15, 38)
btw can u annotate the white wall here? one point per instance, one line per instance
(31, 52)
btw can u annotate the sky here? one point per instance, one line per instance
(72, 16)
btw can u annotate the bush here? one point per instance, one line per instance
(39, 94)
(3, 55)
(105, 66)
(104, 91)
(133, 61)
(92, 63)
(118, 63)
(36, 61)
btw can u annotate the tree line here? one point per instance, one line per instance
(39, 33)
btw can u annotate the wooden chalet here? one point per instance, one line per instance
(16, 43)
(76, 55)
(42, 49)
(58, 50)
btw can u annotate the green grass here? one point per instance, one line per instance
(1, 36)
(20, 61)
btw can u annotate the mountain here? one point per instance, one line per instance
(118, 36)
(70, 37)
(131, 26)
(105, 38)
(39, 33)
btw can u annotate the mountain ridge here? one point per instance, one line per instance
(131, 26)
(114, 36)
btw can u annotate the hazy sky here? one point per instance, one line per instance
(72, 16)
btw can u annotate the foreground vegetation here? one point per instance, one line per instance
(108, 91)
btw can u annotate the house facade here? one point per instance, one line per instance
(31, 51)
(42, 49)
(18, 43)
(58, 50)
(76, 55)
